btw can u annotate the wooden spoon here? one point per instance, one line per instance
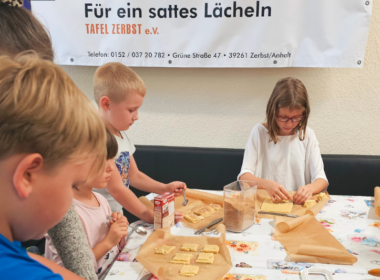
(374, 272)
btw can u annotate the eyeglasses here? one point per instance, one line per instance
(282, 119)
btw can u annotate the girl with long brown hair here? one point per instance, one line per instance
(283, 154)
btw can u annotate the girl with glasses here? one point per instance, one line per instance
(283, 154)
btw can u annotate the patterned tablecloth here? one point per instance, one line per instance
(351, 219)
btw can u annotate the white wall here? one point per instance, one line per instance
(219, 107)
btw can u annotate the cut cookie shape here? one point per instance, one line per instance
(205, 258)
(182, 258)
(189, 270)
(164, 249)
(189, 247)
(193, 218)
(211, 249)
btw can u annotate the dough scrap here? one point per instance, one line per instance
(321, 196)
(211, 249)
(204, 211)
(309, 203)
(189, 270)
(205, 258)
(196, 209)
(182, 258)
(189, 247)
(216, 207)
(284, 206)
(193, 218)
(164, 249)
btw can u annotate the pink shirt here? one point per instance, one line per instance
(94, 221)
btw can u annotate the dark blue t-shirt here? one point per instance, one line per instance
(16, 264)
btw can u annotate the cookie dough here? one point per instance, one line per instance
(196, 209)
(321, 196)
(189, 270)
(189, 247)
(182, 258)
(284, 206)
(164, 249)
(193, 218)
(205, 258)
(216, 207)
(204, 211)
(211, 249)
(309, 203)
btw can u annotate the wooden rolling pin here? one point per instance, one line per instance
(374, 272)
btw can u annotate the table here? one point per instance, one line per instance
(351, 219)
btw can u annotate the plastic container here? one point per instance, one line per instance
(239, 205)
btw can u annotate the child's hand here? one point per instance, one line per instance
(178, 216)
(304, 193)
(118, 230)
(123, 218)
(176, 187)
(117, 216)
(276, 191)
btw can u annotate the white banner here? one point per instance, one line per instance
(202, 33)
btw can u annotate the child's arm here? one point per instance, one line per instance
(276, 191)
(117, 231)
(70, 242)
(127, 198)
(66, 274)
(316, 168)
(118, 216)
(130, 201)
(141, 181)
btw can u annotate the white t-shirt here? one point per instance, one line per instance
(122, 160)
(291, 162)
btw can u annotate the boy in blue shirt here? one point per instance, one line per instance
(51, 140)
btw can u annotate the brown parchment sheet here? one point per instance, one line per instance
(196, 198)
(299, 210)
(161, 267)
(377, 201)
(306, 240)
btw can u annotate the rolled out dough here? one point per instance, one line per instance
(279, 207)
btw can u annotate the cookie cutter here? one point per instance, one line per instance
(315, 271)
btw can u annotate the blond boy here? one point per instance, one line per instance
(47, 147)
(119, 93)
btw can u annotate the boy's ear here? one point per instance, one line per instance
(105, 103)
(25, 173)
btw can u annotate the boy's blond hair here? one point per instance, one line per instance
(42, 111)
(116, 81)
(288, 93)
